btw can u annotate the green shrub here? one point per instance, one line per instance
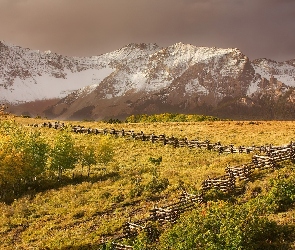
(282, 194)
(220, 226)
(137, 190)
(155, 161)
(156, 185)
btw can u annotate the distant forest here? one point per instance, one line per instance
(169, 117)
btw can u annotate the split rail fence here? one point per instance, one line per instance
(162, 138)
(226, 183)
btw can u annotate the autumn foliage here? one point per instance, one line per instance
(27, 158)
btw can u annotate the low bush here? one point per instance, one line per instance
(282, 194)
(220, 226)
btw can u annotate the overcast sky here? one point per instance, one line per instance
(259, 28)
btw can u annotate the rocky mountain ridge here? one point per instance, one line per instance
(144, 78)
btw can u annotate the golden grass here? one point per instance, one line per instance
(89, 211)
(236, 132)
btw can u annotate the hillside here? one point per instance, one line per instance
(81, 212)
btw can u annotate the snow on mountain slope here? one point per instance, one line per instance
(130, 54)
(254, 86)
(33, 75)
(28, 75)
(131, 67)
(283, 71)
(48, 87)
(153, 70)
(144, 78)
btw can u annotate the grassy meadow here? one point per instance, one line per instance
(84, 207)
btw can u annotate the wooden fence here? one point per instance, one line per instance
(119, 246)
(274, 155)
(170, 213)
(268, 158)
(163, 139)
(131, 229)
(242, 172)
(225, 183)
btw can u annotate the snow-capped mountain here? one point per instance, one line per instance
(144, 78)
(29, 75)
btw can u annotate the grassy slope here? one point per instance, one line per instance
(82, 212)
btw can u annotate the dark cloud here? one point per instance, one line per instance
(259, 28)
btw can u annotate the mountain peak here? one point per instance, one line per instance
(142, 46)
(139, 77)
(5, 43)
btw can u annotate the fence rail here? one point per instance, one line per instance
(165, 140)
(119, 246)
(268, 158)
(225, 183)
(241, 172)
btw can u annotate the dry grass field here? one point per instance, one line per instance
(79, 212)
(235, 132)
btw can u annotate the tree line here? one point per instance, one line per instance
(170, 117)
